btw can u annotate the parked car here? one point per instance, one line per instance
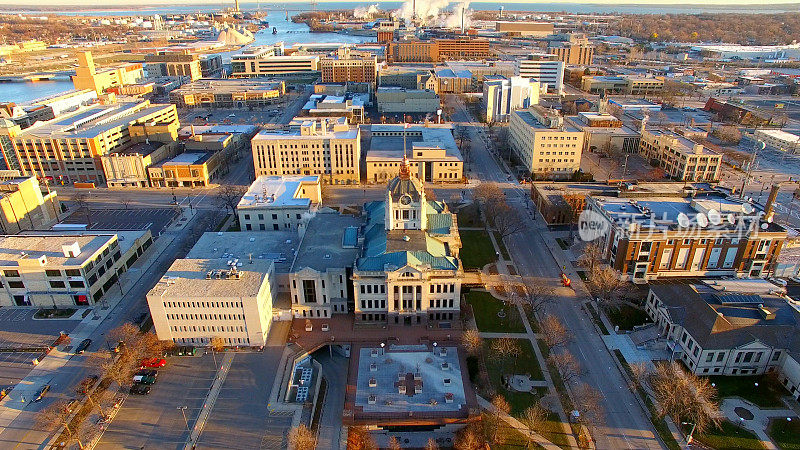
(140, 389)
(83, 346)
(147, 373)
(42, 392)
(154, 362)
(144, 379)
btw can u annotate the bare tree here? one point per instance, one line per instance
(489, 195)
(431, 445)
(505, 348)
(639, 373)
(217, 345)
(125, 201)
(500, 408)
(472, 341)
(555, 333)
(588, 403)
(301, 438)
(507, 220)
(567, 366)
(537, 295)
(82, 202)
(470, 438)
(728, 134)
(358, 438)
(685, 396)
(394, 444)
(228, 196)
(55, 415)
(606, 285)
(534, 417)
(592, 254)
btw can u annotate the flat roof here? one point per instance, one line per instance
(322, 245)
(277, 246)
(14, 249)
(188, 278)
(391, 147)
(139, 148)
(188, 158)
(125, 239)
(352, 133)
(533, 122)
(276, 192)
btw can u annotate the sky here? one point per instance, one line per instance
(189, 2)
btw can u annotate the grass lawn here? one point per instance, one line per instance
(502, 245)
(627, 317)
(485, 307)
(468, 216)
(525, 363)
(729, 436)
(477, 249)
(767, 394)
(786, 435)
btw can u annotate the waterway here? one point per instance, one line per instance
(287, 31)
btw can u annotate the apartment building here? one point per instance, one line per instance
(408, 271)
(228, 93)
(705, 330)
(52, 269)
(605, 133)
(544, 68)
(575, 49)
(174, 64)
(463, 49)
(262, 62)
(430, 149)
(416, 51)
(87, 76)
(623, 84)
(695, 235)
(392, 99)
(681, 158)
(347, 65)
(279, 203)
(502, 96)
(69, 148)
(325, 147)
(544, 144)
(23, 205)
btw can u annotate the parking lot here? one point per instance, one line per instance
(156, 219)
(14, 366)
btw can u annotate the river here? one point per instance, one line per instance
(288, 32)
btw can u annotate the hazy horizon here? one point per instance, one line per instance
(94, 4)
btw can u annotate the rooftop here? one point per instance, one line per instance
(391, 147)
(323, 244)
(28, 248)
(229, 86)
(139, 148)
(276, 191)
(187, 158)
(197, 278)
(277, 246)
(125, 239)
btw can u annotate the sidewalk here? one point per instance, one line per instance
(211, 399)
(760, 421)
(519, 426)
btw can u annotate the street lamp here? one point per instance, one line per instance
(183, 411)
(689, 437)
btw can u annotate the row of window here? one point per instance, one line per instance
(207, 340)
(205, 317)
(212, 328)
(202, 304)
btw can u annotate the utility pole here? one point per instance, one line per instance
(756, 144)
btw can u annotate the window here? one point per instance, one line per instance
(57, 284)
(11, 273)
(53, 273)
(16, 284)
(77, 284)
(310, 291)
(73, 273)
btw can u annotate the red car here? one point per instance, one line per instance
(154, 362)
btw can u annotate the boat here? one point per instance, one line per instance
(274, 30)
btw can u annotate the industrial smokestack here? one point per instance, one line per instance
(501, 11)
(462, 19)
(414, 10)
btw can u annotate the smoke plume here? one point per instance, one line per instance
(431, 12)
(365, 12)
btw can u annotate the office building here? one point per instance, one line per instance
(50, 269)
(527, 29)
(622, 84)
(88, 77)
(408, 271)
(605, 133)
(544, 68)
(263, 62)
(449, 81)
(347, 65)
(416, 51)
(430, 149)
(575, 49)
(778, 140)
(480, 70)
(325, 147)
(459, 49)
(401, 100)
(681, 158)
(46, 108)
(705, 234)
(174, 64)
(23, 204)
(127, 167)
(228, 93)
(68, 149)
(729, 328)
(279, 203)
(349, 106)
(406, 77)
(502, 96)
(200, 299)
(546, 147)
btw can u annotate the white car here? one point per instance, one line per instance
(778, 281)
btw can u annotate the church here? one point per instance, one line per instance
(408, 271)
